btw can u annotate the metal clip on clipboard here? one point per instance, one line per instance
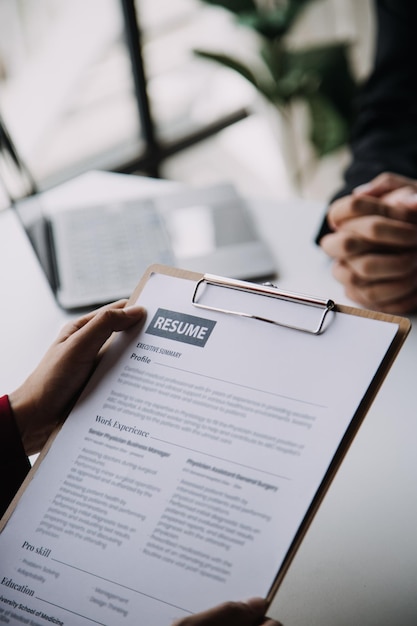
(267, 290)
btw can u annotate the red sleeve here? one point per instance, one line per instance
(14, 464)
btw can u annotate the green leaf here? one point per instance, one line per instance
(290, 79)
(234, 6)
(276, 22)
(269, 22)
(327, 73)
(329, 130)
(268, 89)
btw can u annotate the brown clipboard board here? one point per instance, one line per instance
(404, 326)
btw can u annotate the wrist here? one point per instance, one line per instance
(19, 409)
(9, 416)
(24, 411)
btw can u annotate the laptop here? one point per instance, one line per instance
(96, 253)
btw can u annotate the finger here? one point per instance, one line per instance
(384, 183)
(250, 613)
(227, 614)
(346, 209)
(401, 204)
(90, 337)
(404, 306)
(340, 210)
(344, 244)
(410, 202)
(382, 231)
(259, 606)
(74, 325)
(396, 206)
(379, 267)
(392, 296)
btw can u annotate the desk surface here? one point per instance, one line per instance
(358, 562)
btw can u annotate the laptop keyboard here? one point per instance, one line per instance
(102, 252)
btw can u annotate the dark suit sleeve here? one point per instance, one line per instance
(14, 464)
(384, 134)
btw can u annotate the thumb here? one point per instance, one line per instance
(384, 183)
(250, 613)
(87, 336)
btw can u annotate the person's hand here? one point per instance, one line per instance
(250, 613)
(374, 243)
(49, 393)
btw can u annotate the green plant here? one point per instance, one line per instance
(319, 75)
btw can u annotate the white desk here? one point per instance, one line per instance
(358, 562)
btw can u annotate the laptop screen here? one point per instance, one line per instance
(31, 216)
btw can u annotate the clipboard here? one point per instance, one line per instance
(215, 298)
(321, 310)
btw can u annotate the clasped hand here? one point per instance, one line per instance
(374, 244)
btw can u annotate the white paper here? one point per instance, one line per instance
(184, 472)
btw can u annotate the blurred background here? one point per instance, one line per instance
(118, 85)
